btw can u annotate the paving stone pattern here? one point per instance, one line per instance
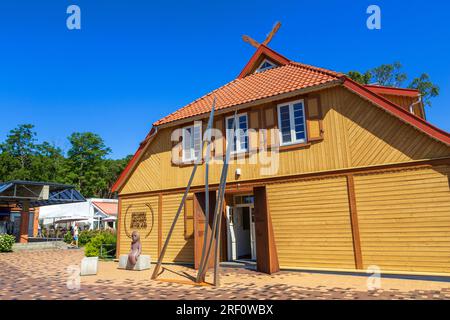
(43, 275)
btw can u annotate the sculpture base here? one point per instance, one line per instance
(143, 263)
(89, 266)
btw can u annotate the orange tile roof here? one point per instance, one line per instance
(283, 79)
(108, 208)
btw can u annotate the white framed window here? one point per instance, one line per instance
(239, 143)
(292, 123)
(265, 65)
(192, 142)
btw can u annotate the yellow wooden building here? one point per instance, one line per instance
(329, 174)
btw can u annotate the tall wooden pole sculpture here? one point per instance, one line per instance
(183, 201)
(217, 223)
(207, 209)
(217, 216)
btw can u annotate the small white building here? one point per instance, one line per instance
(94, 213)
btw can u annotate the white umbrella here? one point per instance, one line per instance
(110, 219)
(68, 220)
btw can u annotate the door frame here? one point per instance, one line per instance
(231, 236)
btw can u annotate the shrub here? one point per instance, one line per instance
(86, 236)
(90, 250)
(68, 237)
(105, 238)
(6, 242)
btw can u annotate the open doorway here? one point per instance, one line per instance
(241, 233)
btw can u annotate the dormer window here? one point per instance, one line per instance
(265, 65)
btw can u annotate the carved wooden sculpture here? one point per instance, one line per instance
(136, 249)
(269, 37)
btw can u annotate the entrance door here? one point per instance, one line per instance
(241, 232)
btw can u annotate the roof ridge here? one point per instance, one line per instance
(276, 52)
(260, 52)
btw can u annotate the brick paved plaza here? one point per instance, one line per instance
(44, 275)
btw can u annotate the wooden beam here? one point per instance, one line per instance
(199, 225)
(354, 221)
(236, 186)
(266, 250)
(275, 29)
(160, 222)
(186, 282)
(199, 233)
(249, 40)
(118, 223)
(24, 222)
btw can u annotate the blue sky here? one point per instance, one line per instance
(136, 61)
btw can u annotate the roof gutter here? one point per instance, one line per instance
(419, 101)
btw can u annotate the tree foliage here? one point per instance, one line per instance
(363, 78)
(85, 165)
(86, 160)
(426, 88)
(391, 75)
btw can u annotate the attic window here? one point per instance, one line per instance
(265, 65)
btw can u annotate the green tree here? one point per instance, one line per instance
(389, 75)
(8, 166)
(17, 153)
(393, 76)
(85, 166)
(426, 88)
(48, 164)
(363, 78)
(86, 163)
(114, 169)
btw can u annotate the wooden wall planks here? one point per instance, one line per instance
(311, 222)
(404, 219)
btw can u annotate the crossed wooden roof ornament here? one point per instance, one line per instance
(269, 37)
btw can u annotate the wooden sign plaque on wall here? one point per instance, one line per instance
(139, 220)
